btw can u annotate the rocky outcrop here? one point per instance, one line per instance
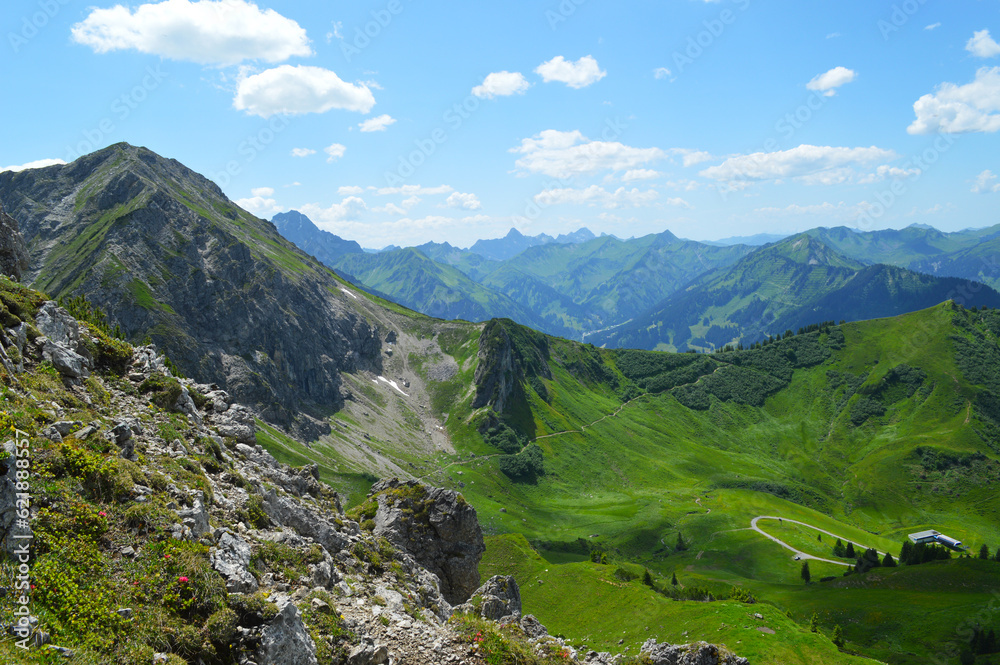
(13, 252)
(508, 355)
(61, 345)
(286, 641)
(166, 254)
(437, 527)
(500, 597)
(698, 653)
(231, 557)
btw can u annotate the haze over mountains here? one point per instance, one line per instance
(662, 292)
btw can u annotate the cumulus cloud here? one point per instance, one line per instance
(226, 32)
(817, 164)
(982, 45)
(598, 196)
(302, 152)
(37, 164)
(351, 190)
(986, 183)
(692, 157)
(260, 204)
(958, 109)
(351, 208)
(568, 154)
(377, 124)
(463, 201)
(828, 82)
(661, 73)
(334, 152)
(579, 74)
(300, 89)
(501, 84)
(640, 174)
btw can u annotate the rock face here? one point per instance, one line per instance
(231, 557)
(13, 252)
(508, 355)
(62, 345)
(286, 641)
(324, 245)
(437, 527)
(166, 254)
(698, 653)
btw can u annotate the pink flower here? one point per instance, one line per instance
(182, 579)
(102, 514)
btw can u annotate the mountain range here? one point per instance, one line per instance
(620, 487)
(662, 292)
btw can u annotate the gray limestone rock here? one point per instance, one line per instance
(13, 253)
(285, 641)
(438, 527)
(697, 653)
(231, 557)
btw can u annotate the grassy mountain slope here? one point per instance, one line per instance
(785, 286)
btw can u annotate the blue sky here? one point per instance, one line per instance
(401, 121)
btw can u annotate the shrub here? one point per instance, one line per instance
(163, 390)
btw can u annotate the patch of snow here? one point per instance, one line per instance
(348, 293)
(393, 384)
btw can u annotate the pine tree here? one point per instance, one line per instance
(647, 579)
(996, 557)
(681, 545)
(838, 549)
(814, 623)
(984, 552)
(849, 552)
(673, 580)
(806, 575)
(819, 537)
(906, 553)
(838, 636)
(888, 561)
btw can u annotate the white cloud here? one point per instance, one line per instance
(598, 196)
(692, 157)
(839, 210)
(411, 202)
(957, 109)
(300, 89)
(833, 35)
(260, 204)
(463, 201)
(352, 190)
(889, 172)
(390, 208)
(501, 84)
(932, 26)
(37, 164)
(302, 152)
(377, 124)
(579, 74)
(986, 183)
(567, 154)
(415, 190)
(226, 32)
(828, 82)
(351, 208)
(661, 73)
(640, 174)
(262, 191)
(334, 152)
(818, 164)
(982, 45)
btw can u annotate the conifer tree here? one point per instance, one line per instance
(806, 575)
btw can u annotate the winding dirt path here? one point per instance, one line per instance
(800, 554)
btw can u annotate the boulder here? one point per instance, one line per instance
(697, 653)
(286, 641)
(437, 527)
(58, 325)
(532, 627)
(231, 558)
(68, 363)
(500, 597)
(196, 517)
(238, 422)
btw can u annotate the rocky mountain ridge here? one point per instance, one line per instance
(169, 257)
